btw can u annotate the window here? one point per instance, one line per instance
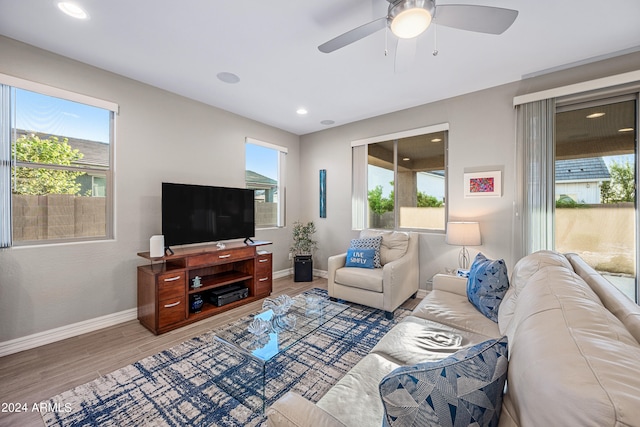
(400, 182)
(59, 167)
(264, 173)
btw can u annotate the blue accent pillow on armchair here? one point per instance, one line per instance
(461, 390)
(369, 243)
(487, 284)
(360, 258)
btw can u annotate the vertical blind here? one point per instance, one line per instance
(5, 167)
(535, 151)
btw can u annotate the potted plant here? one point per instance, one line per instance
(302, 251)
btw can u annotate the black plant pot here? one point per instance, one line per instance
(302, 268)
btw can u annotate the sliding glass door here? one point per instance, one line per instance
(596, 176)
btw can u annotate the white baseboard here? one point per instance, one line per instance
(289, 272)
(58, 334)
(64, 332)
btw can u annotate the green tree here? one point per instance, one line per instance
(621, 188)
(379, 204)
(41, 180)
(427, 201)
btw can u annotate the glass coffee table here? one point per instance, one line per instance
(258, 339)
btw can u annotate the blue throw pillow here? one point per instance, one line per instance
(360, 258)
(369, 243)
(462, 390)
(487, 284)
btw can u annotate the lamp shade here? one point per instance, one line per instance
(463, 234)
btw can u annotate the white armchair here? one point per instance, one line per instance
(384, 288)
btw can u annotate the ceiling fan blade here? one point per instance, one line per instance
(481, 19)
(353, 35)
(405, 54)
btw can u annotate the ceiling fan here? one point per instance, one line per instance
(408, 19)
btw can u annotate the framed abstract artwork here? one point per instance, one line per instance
(483, 184)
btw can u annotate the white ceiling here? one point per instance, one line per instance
(181, 46)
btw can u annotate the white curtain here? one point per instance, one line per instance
(5, 167)
(359, 208)
(535, 160)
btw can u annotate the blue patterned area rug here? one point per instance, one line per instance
(180, 386)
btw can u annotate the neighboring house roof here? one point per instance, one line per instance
(95, 153)
(587, 169)
(256, 180)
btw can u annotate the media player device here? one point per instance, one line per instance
(227, 294)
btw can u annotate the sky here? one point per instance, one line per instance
(55, 116)
(262, 160)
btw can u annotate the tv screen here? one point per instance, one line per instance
(200, 213)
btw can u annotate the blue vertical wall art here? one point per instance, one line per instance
(323, 193)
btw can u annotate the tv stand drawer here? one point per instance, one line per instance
(170, 312)
(222, 256)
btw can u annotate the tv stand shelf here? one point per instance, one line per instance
(165, 285)
(221, 279)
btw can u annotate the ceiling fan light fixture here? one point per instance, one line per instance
(73, 10)
(410, 18)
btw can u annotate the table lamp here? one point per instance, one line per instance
(463, 234)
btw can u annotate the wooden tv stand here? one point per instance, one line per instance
(165, 286)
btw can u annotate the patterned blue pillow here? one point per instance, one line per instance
(486, 285)
(462, 390)
(369, 243)
(362, 258)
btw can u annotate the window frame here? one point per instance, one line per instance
(359, 189)
(9, 84)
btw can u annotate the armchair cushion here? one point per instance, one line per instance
(369, 279)
(372, 242)
(393, 246)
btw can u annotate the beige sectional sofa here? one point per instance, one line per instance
(573, 340)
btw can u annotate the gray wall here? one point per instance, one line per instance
(159, 137)
(481, 137)
(164, 137)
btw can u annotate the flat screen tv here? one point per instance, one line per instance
(200, 213)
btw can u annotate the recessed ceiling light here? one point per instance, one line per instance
(595, 115)
(73, 10)
(436, 140)
(625, 130)
(406, 159)
(327, 122)
(301, 111)
(228, 77)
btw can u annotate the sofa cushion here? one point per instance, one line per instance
(461, 390)
(393, 246)
(487, 284)
(416, 340)
(369, 279)
(523, 270)
(355, 400)
(616, 302)
(572, 354)
(372, 242)
(363, 258)
(455, 311)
